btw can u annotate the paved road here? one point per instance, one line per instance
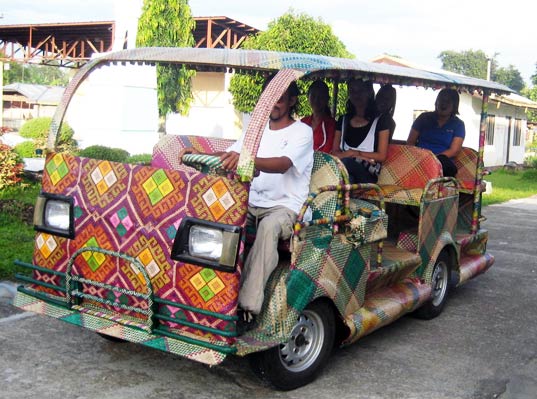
(483, 346)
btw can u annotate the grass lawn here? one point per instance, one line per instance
(16, 229)
(508, 185)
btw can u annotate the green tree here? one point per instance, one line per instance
(510, 77)
(531, 93)
(470, 63)
(291, 32)
(168, 23)
(50, 75)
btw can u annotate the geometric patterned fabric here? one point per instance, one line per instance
(135, 210)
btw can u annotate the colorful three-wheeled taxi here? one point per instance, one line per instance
(153, 254)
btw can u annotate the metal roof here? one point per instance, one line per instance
(308, 64)
(37, 94)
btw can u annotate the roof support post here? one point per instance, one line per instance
(480, 155)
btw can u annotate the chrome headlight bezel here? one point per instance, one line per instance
(184, 249)
(47, 204)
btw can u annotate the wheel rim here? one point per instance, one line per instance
(440, 282)
(305, 343)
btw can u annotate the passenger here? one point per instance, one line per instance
(385, 103)
(321, 121)
(361, 139)
(441, 131)
(285, 161)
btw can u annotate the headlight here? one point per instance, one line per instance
(57, 214)
(53, 214)
(207, 244)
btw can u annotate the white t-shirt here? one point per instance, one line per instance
(289, 189)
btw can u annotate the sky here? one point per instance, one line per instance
(416, 30)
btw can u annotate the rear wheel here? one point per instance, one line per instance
(297, 361)
(440, 288)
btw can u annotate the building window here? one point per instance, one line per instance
(491, 125)
(517, 133)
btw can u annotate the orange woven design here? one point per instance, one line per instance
(466, 163)
(405, 174)
(409, 167)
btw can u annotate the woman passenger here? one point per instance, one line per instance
(441, 131)
(321, 121)
(385, 103)
(361, 139)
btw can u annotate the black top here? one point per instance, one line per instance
(355, 135)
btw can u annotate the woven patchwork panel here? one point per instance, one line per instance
(330, 267)
(135, 211)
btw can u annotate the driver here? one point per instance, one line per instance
(284, 160)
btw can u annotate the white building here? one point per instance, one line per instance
(506, 123)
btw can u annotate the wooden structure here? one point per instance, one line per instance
(221, 32)
(60, 44)
(73, 44)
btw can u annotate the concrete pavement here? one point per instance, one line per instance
(483, 346)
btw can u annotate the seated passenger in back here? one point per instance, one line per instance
(385, 104)
(321, 120)
(361, 139)
(441, 131)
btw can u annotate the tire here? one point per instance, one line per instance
(298, 361)
(440, 288)
(111, 338)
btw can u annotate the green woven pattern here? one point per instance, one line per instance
(109, 327)
(438, 219)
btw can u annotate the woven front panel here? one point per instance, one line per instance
(136, 210)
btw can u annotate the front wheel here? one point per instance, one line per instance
(297, 361)
(440, 288)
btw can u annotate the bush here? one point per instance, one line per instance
(105, 153)
(531, 162)
(38, 128)
(140, 159)
(25, 149)
(11, 167)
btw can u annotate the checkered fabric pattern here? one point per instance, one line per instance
(405, 173)
(466, 163)
(327, 171)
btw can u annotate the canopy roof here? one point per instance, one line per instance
(313, 66)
